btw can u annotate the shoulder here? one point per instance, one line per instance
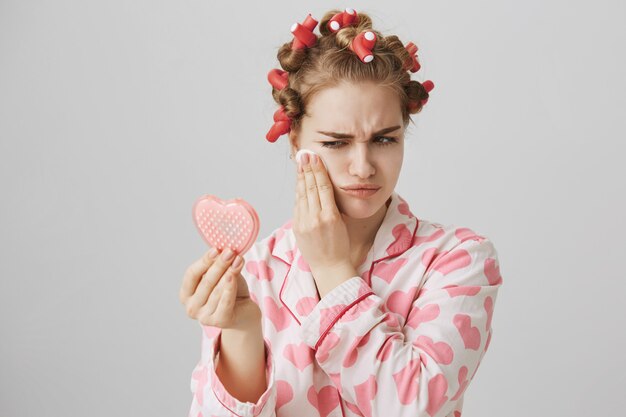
(449, 250)
(434, 241)
(448, 236)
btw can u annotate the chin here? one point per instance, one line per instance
(360, 208)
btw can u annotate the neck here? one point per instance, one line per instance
(362, 232)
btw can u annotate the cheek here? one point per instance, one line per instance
(331, 177)
(393, 162)
(329, 165)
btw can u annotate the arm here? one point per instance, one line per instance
(211, 398)
(241, 361)
(422, 368)
(241, 351)
(327, 280)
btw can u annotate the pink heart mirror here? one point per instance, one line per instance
(226, 223)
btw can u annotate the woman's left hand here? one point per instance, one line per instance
(321, 234)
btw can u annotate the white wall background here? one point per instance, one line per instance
(115, 115)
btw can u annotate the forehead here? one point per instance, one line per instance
(354, 108)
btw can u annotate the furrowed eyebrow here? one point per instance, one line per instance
(347, 136)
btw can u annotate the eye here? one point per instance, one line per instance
(391, 140)
(339, 143)
(333, 145)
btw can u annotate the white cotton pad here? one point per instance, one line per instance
(303, 151)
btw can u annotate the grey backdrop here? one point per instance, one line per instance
(116, 115)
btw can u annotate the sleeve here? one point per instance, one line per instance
(210, 397)
(422, 368)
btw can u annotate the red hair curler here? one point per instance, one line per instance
(363, 44)
(428, 86)
(278, 78)
(303, 33)
(343, 19)
(282, 125)
(413, 65)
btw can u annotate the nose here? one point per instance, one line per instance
(361, 162)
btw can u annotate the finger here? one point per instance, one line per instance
(208, 309)
(210, 279)
(311, 188)
(302, 203)
(324, 187)
(194, 274)
(226, 303)
(242, 287)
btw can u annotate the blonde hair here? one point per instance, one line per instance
(330, 61)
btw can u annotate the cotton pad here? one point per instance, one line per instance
(303, 151)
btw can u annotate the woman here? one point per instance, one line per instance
(354, 307)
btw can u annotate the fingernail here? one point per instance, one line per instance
(314, 159)
(227, 254)
(212, 253)
(237, 262)
(305, 158)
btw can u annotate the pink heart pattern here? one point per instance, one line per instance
(463, 233)
(260, 270)
(492, 271)
(300, 355)
(354, 350)
(451, 261)
(469, 334)
(456, 290)
(463, 381)
(407, 381)
(325, 400)
(437, 388)
(427, 313)
(387, 271)
(201, 378)
(278, 316)
(306, 305)
(399, 301)
(402, 236)
(441, 352)
(488, 304)
(284, 393)
(365, 393)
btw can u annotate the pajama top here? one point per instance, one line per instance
(403, 338)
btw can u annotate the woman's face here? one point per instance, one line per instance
(347, 127)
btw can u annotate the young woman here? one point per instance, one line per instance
(354, 307)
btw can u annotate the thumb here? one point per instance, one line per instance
(240, 282)
(242, 287)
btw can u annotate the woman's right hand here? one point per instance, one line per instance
(214, 300)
